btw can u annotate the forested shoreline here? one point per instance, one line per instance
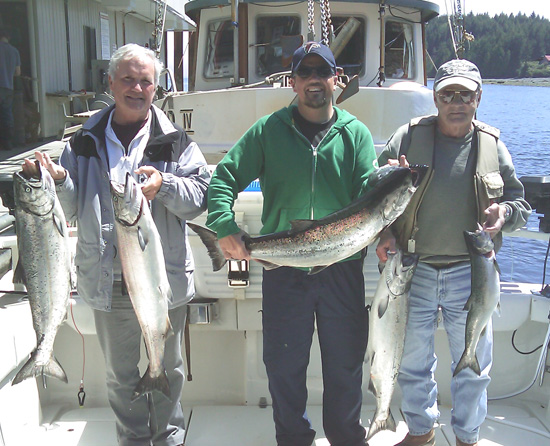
(504, 46)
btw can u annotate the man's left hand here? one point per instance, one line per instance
(495, 218)
(154, 180)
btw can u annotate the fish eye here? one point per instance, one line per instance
(27, 189)
(115, 198)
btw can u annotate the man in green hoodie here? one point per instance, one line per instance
(311, 159)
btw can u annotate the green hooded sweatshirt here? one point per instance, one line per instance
(297, 180)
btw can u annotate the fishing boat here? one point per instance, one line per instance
(239, 61)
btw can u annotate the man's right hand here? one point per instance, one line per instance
(233, 247)
(30, 169)
(385, 245)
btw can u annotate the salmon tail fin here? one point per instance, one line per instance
(147, 384)
(31, 368)
(210, 240)
(381, 424)
(467, 361)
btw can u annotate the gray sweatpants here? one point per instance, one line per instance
(148, 420)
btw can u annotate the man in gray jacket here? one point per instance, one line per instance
(135, 137)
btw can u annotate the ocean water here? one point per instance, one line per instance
(522, 114)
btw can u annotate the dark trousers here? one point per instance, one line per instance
(293, 302)
(6, 118)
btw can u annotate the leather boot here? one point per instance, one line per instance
(418, 440)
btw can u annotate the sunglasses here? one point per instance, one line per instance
(448, 96)
(323, 72)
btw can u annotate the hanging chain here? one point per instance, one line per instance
(310, 20)
(326, 22)
(160, 17)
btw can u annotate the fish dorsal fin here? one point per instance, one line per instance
(142, 238)
(59, 224)
(317, 269)
(300, 225)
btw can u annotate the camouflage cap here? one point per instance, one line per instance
(458, 72)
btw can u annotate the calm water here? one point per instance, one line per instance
(523, 116)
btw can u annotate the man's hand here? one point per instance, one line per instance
(154, 180)
(30, 169)
(402, 161)
(233, 247)
(495, 218)
(385, 245)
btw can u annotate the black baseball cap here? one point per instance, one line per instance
(313, 48)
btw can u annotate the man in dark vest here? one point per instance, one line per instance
(471, 179)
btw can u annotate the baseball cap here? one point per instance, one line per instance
(458, 72)
(313, 48)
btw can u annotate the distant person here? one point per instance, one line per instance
(133, 136)
(10, 66)
(471, 179)
(311, 159)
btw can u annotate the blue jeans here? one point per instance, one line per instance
(292, 302)
(448, 288)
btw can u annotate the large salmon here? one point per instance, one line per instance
(387, 325)
(319, 243)
(484, 295)
(144, 273)
(44, 266)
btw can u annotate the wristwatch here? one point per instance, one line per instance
(507, 212)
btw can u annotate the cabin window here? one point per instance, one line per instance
(399, 53)
(277, 37)
(349, 44)
(219, 50)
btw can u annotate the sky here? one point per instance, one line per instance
(494, 7)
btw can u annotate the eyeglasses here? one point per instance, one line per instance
(448, 96)
(323, 71)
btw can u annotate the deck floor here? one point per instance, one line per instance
(508, 424)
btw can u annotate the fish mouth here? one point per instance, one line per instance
(418, 173)
(128, 208)
(36, 179)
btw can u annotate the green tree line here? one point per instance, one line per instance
(504, 46)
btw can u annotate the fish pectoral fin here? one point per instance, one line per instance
(317, 269)
(169, 329)
(301, 225)
(497, 267)
(59, 224)
(468, 304)
(267, 265)
(371, 388)
(142, 238)
(383, 306)
(19, 274)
